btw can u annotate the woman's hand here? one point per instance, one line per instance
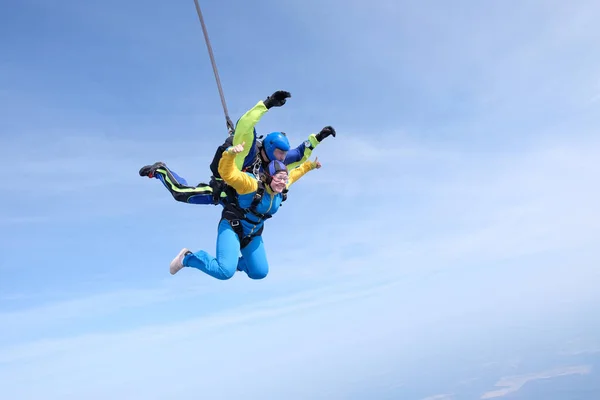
(238, 148)
(317, 163)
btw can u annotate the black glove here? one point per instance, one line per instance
(277, 99)
(328, 130)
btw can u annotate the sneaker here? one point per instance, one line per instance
(148, 170)
(177, 263)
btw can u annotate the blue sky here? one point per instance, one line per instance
(460, 195)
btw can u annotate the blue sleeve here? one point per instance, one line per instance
(295, 155)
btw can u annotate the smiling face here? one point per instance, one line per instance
(279, 181)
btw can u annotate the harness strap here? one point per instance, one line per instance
(260, 191)
(244, 240)
(234, 215)
(254, 167)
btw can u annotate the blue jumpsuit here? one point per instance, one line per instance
(253, 260)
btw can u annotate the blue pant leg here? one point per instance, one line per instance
(182, 181)
(201, 194)
(254, 259)
(179, 178)
(228, 249)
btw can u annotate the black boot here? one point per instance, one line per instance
(148, 170)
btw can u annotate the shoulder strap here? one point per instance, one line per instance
(284, 195)
(260, 191)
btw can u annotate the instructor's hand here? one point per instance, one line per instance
(277, 99)
(325, 132)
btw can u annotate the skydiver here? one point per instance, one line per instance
(241, 225)
(254, 158)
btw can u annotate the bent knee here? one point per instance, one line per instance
(226, 273)
(258, 274)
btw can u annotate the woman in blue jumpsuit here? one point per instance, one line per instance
(253, 210)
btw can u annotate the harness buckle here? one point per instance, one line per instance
(234, 222)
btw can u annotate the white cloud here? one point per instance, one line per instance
(512, 384)
(444, 396)
(257, 345)
(487, 208)
(410, 204)
(356, 328)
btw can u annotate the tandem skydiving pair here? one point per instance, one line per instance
(250, 179)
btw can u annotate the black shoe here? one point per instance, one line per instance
(148, 170)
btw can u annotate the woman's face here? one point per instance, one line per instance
(279, 181)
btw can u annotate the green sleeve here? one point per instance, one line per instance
(307, 151)
(244, 130)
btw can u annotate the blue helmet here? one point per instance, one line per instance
(275, 140)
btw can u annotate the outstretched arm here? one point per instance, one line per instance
(240, 181)
(244, 129)
(297, 156)
(299, 172)
(300, 154)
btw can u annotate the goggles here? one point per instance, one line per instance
(280, 178)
